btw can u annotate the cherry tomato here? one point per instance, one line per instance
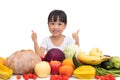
(18, 77)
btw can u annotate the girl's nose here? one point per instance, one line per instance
(55, 26)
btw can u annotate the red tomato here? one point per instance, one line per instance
(30, 75)
(97, 77)
(25, 76)
(18, 77)
(58, 77)
(65, 77)
(105, 77)
(34, 76)
(53, 77)
(102, 77)
(110, 76)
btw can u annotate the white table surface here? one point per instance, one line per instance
(48, 78)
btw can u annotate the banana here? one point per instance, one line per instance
(95, 52)
(92, 60)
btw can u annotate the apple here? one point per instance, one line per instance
(55, 65)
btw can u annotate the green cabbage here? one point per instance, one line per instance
(116, 61)
(70, 50)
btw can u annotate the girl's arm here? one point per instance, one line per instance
(38, 50)
(42, 52)
(76, 37)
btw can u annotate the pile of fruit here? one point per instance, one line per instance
(60, 65)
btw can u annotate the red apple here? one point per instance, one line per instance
(55, 65)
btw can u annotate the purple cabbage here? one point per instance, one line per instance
(54, 54)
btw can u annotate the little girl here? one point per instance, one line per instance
(57, 21)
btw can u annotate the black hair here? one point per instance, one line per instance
(55, 14)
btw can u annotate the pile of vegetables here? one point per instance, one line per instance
(111, 66)
(86, 66)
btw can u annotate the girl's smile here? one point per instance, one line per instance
(56, 28)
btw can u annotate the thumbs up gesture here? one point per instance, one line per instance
(34, 36)
(76, 37)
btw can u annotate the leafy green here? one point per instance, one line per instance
(102, 71)
(70, 50)
(116, 61)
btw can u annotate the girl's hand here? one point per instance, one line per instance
(34, 36)
(75, 35)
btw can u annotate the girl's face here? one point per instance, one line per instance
(56, 28)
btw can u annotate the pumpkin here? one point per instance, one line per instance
(22, 61)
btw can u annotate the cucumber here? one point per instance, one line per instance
(75, 61)
(107, 64)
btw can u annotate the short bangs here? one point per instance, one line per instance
(57, 14)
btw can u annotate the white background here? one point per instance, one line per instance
(98, 21)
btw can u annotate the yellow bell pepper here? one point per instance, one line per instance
(5, 72)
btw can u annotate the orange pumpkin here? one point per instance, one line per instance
(2, 60)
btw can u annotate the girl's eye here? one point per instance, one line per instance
(52, 23)
(59, 24)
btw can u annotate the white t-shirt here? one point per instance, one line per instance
(47, 43)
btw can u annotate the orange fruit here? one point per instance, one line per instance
(2, 60)
(68, 61)
(66, 70)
